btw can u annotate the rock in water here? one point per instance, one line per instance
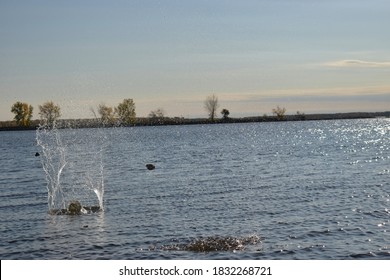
(37, 154)
(215, 243)
(150, 166)
(74, 208)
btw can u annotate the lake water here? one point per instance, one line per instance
(307, 190)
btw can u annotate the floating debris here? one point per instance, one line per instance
(150, 166)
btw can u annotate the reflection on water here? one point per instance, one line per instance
(74, 237)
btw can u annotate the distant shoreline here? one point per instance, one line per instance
(92, 123)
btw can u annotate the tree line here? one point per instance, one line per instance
(123, 114)
(49, 113)
(211, 105)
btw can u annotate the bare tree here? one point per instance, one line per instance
(279, 112)
(157, 114)
(49, 113)
(211, 105)
(23, 113)
(126, 112)
(107, 115)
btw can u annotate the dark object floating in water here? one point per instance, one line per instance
(150, 166)
(37, 154)
(215, 243)
(75, 208)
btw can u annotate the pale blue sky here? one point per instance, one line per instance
(306, 55)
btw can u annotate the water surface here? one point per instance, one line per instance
(309, 190)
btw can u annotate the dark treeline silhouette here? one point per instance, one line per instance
(148, 121)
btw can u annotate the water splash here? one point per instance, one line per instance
(72, 160)
(212, 244)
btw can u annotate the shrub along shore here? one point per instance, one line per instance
(91, 123)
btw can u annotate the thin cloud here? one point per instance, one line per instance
(301, 92)
(358, 63)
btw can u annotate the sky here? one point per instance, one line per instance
(312, 56)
